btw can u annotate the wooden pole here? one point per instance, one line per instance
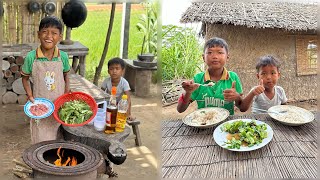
(106, 46)
(124, 43)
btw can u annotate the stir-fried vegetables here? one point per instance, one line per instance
(250, 133)
(75, 112)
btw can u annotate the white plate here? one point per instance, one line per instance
(294, 116)
(44, 101)
(220, 137)
(195, 118)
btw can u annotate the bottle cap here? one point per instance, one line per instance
(114, 90)
(125, 97)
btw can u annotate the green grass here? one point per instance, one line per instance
(92, 33)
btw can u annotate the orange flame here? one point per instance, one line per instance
(58, 162)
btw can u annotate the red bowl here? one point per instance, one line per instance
(74, 96)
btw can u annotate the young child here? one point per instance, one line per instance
(267, 93)
(226, 89)
(48, 67)
(115, 70)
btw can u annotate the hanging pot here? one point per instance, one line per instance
(34, 6)
(49, 7)
(74, 13)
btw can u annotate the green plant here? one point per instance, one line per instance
(180, 53)
(147, 26)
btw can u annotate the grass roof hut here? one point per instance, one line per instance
(285, 30)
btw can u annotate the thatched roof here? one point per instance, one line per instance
(284, 15)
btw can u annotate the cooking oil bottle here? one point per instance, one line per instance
(112, 109)
(122, 113)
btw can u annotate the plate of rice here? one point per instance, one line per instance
(290, 115)
(206, 117)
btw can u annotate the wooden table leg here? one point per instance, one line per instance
(75, 60)
(82, 70)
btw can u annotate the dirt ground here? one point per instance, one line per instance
(141, 161)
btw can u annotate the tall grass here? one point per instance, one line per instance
(92, 34)
(180, 54)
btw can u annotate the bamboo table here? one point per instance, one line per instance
(188, 152)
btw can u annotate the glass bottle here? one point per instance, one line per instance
(112, 109)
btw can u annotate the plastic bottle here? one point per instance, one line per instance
(112, 109)
(122, 113)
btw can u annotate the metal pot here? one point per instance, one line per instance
(34, 6)
(74, 13)
(49, 7)
(117, 154)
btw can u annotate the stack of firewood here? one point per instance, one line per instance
(22, 170)
(12, 90)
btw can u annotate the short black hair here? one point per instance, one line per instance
(267, 60)
(116, 60)
(50, 21)
(216, 41)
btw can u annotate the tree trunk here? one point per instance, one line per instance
(106, 46)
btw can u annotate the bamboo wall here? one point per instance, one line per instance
(246, 45)
(19, 25)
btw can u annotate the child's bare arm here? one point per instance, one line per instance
(67, 82)
(27, 88)
(185, 99)
(247, 101)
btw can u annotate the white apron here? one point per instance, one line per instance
(48, 82)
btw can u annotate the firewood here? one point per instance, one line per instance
(18, 87)
(3, 90)
(9, 86)
(11, 79)
(17, 75)
(11, 59)
(19, 60)
(9, 98)
(20, 174)
(22, 99)
(21, 169)
(21, 164)
(8, 73)
(3, 82)
(5, 65)
(14, 68)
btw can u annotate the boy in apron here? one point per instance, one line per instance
(48, 67)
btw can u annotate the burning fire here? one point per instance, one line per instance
(58, 162)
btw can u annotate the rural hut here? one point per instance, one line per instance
(285, 30)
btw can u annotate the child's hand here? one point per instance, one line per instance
(30, 98)
(231, 94)
(130, 118)
(258, 89)
(189, 86)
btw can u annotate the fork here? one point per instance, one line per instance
(280, 112)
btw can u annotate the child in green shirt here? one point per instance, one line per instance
(216, 87)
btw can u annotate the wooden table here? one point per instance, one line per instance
(79, 83)
(77, 51)
(188, 152)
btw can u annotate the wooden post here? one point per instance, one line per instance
(125, 27)
(82, 66)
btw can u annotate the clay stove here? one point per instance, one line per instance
(41, 157)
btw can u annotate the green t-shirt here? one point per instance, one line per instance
(212, 96)
(31, 56)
